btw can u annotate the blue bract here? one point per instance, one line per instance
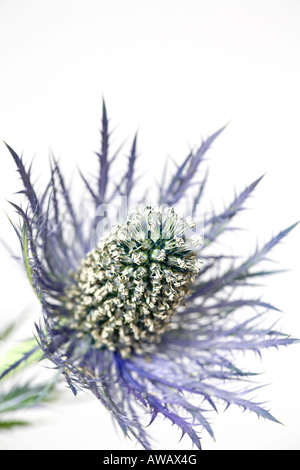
(145, 316)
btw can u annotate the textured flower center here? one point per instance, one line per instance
(129, 286)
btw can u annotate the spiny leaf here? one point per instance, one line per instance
(186, 172)
(130, 171)
(236, 273)
(103, 157)
(219, 222)
(25, 176)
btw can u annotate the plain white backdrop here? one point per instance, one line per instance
(177, 70)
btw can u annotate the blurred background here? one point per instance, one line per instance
(176, 71)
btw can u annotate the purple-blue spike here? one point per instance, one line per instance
(182, 179)
(25, 176)
(216, 224)
(103, 157)
(130, 172)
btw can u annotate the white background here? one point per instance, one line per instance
(177, 70)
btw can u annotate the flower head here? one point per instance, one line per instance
(129, 286)
(137, 316)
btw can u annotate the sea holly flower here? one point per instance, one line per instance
(128, 287)
(145, 315)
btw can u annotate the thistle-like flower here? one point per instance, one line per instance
(128, 287)
(144, 316)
